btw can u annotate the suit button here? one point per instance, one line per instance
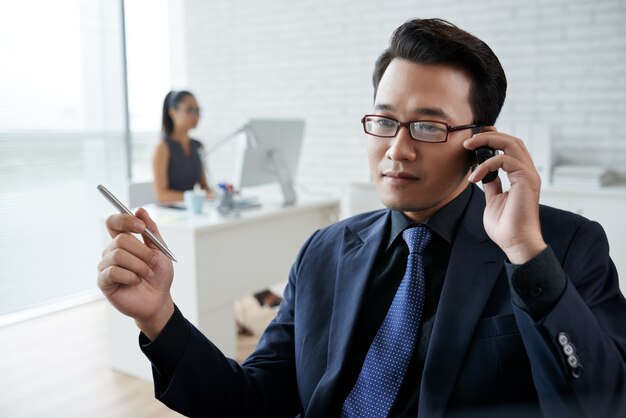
(568, 349)
(572, 361)
(577, 372)
(563, 339)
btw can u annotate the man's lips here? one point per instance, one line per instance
(400, 175)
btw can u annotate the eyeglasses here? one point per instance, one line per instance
(192, 111)
(420, 130)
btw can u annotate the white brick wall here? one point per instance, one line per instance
(565, 62)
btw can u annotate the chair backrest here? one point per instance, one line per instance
(141, 194)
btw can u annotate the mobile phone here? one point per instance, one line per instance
(482, 155)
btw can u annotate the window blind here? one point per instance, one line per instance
(62, 128)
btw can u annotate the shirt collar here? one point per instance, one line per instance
(444, 223)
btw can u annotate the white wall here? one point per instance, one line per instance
(565, 62)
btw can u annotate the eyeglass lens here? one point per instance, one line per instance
(421, 131)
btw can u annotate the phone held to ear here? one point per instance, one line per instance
(482, 155)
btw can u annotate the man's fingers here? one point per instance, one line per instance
(115, 275)
(505, 162)
(128, 261)
(142, 214)
(481, 170)
(493, 188)
(508, 144)
(131, 245)
(124, 262)
(118, 223)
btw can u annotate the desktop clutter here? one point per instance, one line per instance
(226, 202)
(194, 199)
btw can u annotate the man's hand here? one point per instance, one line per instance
(135, 276)
(511, 218)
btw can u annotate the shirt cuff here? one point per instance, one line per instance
(537, 285)
(166, 350)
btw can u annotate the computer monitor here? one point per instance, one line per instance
(271, 154)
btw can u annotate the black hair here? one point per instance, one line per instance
(437, 41)
(172, 99)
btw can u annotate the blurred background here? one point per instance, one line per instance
(82, 84)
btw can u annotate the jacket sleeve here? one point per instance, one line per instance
(577, 350)
(193, 377)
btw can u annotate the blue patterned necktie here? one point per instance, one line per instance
(387, 359)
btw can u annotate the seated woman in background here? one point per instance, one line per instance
(178, 167)
(176, 163)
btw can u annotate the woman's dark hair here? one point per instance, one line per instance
(172, 99)
(437, 41)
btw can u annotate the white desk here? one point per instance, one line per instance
(221, 258)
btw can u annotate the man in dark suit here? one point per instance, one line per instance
(508, 308)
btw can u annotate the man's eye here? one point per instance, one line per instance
(429, 128)
(386, 123)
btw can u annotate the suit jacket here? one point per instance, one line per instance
(486, 357)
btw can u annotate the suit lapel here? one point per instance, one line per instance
(358, 253)
(475, 264)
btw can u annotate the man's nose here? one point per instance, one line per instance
(403, 146)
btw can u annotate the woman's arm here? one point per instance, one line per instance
(203, 179)
(205, 185)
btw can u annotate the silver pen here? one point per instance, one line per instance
(123, 209)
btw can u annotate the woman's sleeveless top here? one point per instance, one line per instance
(183, 171)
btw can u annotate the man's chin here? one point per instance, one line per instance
(404, 199)
(399, 204)
(403, 207)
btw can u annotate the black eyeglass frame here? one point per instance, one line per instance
(408, 126)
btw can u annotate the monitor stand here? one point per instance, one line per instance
(284, 179)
